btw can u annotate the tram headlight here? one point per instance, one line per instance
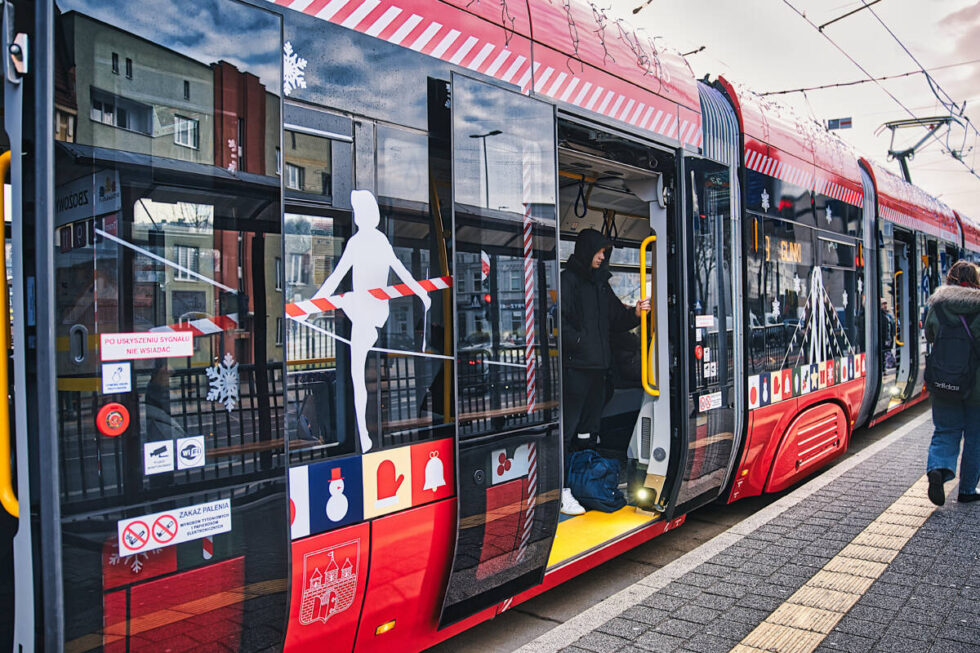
(643, 494)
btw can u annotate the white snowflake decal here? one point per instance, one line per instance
(797, 284)
(224, 382)
(830, 217)
(293, 69)
(134, 562)
(775, 309)
(860, 286)
(765, 200)
(844, 299)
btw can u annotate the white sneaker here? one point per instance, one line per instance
(569, 505)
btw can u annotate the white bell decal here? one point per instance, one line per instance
(435, 476)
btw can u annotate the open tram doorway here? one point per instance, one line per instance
(897, 318)
(623, 189)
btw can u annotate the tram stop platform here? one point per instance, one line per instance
(856, 559)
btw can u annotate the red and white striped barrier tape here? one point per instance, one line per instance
(207, 326)
(204, 326)
(324, 304)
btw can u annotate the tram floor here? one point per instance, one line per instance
(525, 622)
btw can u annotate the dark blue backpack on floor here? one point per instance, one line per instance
(594, 481)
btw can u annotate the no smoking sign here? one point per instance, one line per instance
(161, 529)
(164, 529)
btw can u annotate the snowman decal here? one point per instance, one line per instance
(337, 503)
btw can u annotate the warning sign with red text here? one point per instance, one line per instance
(128, 346)
(173, 526)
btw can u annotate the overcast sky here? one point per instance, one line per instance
(767, 46)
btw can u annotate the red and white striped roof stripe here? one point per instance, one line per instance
(767, 165)
(610, 96)
(800, 176)
(926, 226)
(459, 38)
(825, 186)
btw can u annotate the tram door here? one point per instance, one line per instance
(169, 460)
(707, 256)
(507, 386)
(896, 318)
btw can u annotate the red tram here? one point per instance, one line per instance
(284, 301)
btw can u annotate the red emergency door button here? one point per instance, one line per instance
(112, 420)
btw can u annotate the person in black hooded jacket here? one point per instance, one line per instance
(590, 313)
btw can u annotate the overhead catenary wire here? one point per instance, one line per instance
(871, 77)
(856, 82)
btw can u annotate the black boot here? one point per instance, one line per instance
(967, 498)
(937, 493)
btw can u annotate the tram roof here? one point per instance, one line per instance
(580, 56)
(782, 144)
(908, 205)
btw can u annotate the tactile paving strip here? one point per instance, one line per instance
(801, 623)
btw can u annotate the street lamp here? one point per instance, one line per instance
(486, 170)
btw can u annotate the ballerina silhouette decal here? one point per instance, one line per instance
(369, 257)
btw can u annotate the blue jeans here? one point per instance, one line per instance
(956, 420)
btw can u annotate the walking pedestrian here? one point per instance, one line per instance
(590, 313)
(955, 304)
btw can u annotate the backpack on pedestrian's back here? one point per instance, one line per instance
(951, 366)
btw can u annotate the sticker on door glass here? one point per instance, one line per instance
(171, 527)
(190, 452)
(158, 457)
(704, 321)
(709, 402)
(117, 378)
(130, 346)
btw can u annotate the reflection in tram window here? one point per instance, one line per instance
(167, 210)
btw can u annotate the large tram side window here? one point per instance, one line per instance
(401, 389)
(780, 266)
(843, 285)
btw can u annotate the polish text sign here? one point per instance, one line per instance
(128, 346)
(173, 526)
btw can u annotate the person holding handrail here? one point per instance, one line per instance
(590, 313)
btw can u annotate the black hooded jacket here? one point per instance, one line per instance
(590, 310)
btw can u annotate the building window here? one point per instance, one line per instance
(115, 63)
(516, 279)
(299, 270)
(119, 112)
(187, 259)
(187, 90)
(278, 273)
(186, 131)
(278, 161)
(278, 330)
(129, 68)
(294, 177)
(64, 126)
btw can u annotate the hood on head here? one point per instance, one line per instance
(958, 299)
(587, 243)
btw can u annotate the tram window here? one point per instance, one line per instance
(777, 287)
(401, 390)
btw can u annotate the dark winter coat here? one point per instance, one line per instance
(590, 310)
(957, 301)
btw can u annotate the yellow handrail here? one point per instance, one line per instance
(7, 496)
(647, 376)
(895, 286)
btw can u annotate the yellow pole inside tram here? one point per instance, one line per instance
(7, 496)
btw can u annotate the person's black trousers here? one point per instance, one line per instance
(583, 396)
